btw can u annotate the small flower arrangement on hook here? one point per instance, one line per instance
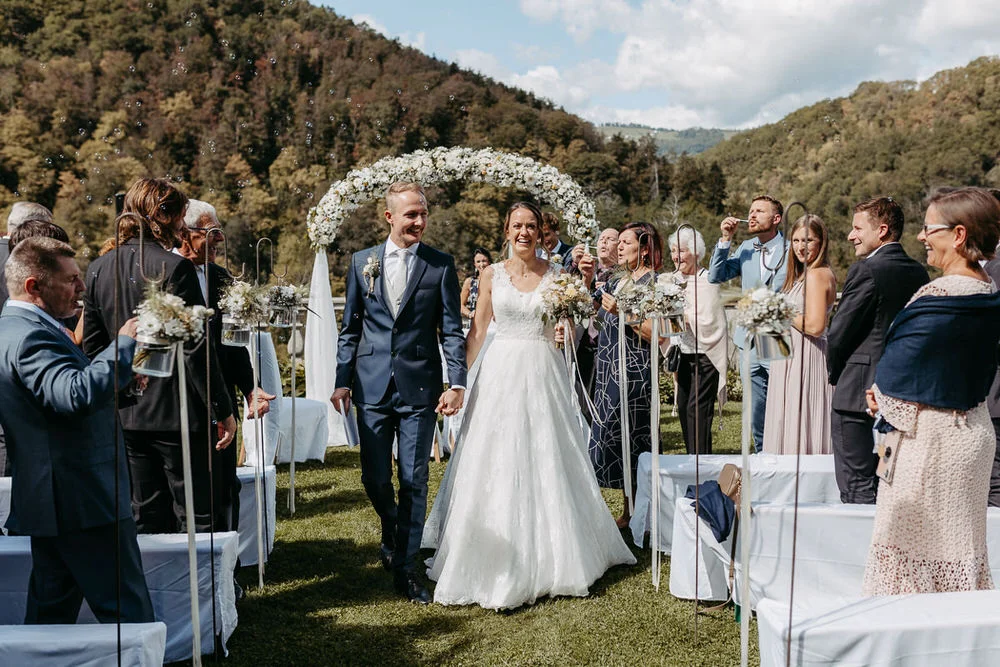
(164, 321)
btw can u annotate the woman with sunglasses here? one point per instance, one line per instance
(930, 389)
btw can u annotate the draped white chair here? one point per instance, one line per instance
(311, 430)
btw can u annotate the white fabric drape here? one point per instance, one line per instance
(321, 347)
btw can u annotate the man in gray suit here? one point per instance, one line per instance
(60, 422)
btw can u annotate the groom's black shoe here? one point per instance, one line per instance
(385, 556)
(409, 585)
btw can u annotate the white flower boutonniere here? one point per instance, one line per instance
(371, 272)
(556, 259)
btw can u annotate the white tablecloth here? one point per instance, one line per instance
(773, 480)
(82, 645)
(830, 553)
(937, 630)
(248, 514)
(712, 562)
(311, 421)
(165, 563)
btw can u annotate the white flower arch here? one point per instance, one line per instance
(443, 165)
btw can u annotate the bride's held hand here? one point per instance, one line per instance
(609, 303)
(450, 402)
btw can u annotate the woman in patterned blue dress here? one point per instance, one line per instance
(640, 253)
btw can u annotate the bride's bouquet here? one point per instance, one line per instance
(567, 298)
(764, 311)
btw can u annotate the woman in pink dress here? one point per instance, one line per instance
(801, 381)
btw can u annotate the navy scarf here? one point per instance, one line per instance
(941, 351)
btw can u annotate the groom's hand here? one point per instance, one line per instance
(451, 402)
(341, 399)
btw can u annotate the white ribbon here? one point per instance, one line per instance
(623, 393)
(291, 453)
(258, 469)
(654, 428)
(189, 505)
(745, 519)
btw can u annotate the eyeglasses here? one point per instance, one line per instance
(928, 229)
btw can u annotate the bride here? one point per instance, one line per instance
(519, 515)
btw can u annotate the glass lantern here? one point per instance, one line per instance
(154, 356)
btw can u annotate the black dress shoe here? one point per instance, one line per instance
(385, 556)
(412, 588)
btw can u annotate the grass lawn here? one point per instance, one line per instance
(327, 600)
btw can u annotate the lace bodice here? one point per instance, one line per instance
(519, 314)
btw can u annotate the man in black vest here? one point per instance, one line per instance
(876, 289)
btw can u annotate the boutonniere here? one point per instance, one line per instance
(556, 259)
(371, 271)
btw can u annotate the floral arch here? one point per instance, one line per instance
(443, 165)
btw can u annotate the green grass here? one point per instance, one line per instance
(327, 601)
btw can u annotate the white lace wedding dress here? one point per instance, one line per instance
(519, 515)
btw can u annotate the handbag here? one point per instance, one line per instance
(731, 482)
(888, 454)
(673, 358)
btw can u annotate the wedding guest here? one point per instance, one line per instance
(640, 253)
(758, 262)
(875, 290)
(199, 244)
(799, 394)
(552, 247)
(992, 268)
(930, 389)
(151, 421)
(704, 345)
(29, 223)
(20, 213)
(470, 288)
(60, 425)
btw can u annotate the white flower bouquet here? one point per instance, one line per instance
(164, 321)
(442, 165)
(287, 296)
(661, 298)
(764, 311)
(165, 317)
(567, 298)
(244, 303)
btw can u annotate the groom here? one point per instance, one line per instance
(402, 297)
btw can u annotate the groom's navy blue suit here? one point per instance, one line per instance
(393, 367)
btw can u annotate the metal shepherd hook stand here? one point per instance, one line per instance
(746, 478)
(185, 448)
(258, 472)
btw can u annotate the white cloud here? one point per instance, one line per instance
(736, 64)
(417, 41)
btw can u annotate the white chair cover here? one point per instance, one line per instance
(310, 416)
(321, 347)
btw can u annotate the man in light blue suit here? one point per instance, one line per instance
(758, 262)
(59, 416)
(402, 299)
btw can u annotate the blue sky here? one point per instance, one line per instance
(686, 63)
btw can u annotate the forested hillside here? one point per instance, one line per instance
(257, 106)
(901, 139)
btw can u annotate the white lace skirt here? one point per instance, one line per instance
(930, 523)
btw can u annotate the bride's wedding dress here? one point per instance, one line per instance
(519, 515)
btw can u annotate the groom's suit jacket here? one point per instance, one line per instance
(375, 347)
(59, 419)
(745, 263)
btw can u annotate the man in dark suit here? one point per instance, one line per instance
(199, 245)
(876, 289)
(552, 247)
(402, 296)
(152, 420)
(60, 424)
